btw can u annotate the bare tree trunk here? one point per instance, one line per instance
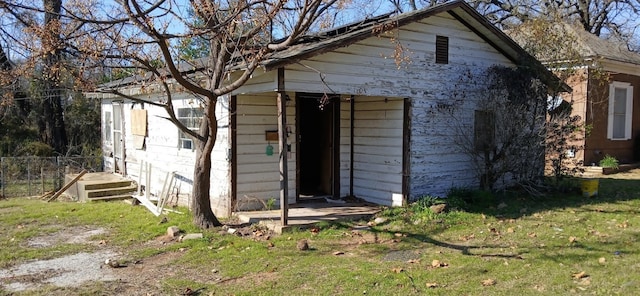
(203, 215)
(52, 129)
(4, 60)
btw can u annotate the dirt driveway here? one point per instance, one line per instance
(85, 271)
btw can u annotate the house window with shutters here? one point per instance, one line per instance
(191, 118)
(620, 111)
(442, 50)
(484, 130)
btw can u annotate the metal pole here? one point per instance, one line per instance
(42, 178)
(3, 182)
(29, 176)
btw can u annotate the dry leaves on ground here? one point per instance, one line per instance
(432, 285)
(580, 275)
(437, 263)
(489, 282)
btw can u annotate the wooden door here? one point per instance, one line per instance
(118, 139)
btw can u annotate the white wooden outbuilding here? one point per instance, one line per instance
(361, 120)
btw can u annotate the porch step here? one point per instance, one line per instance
(106, 185)
(110, 191)
(112, 197)
(101, 186)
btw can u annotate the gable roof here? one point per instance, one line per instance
(312, 45)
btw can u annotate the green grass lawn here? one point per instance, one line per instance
(500, 245)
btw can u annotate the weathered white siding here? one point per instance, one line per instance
(258, 174)
(162, 151)
(438, 162)
(377, 166)
(367, 68)
(260, 81)
(345, 146)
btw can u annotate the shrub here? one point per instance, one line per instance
(35, 148)
(425, 202)
(609, 162)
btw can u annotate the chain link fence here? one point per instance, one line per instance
(33, 176)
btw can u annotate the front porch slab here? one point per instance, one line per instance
(308, 214)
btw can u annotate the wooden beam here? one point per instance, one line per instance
(298, 146)
(282, 146)
(66, 186)
(233, 158)
(406, 152)
(351, 142)
(335, 166)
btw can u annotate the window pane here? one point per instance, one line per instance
(197, 112)
(620, 101)
(191, 118)
(619, 126)
(184, 112)
(117, 120)
(107, 126)
(186, 144)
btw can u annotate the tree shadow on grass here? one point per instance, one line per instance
(516, 204)
(411, 241)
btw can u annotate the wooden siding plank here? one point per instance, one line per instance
(377, 149)
(258, 174)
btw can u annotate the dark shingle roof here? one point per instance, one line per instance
(592, 46)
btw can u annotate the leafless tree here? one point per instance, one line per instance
(142, 38)
(613, 18)
(42, 29)
(504, 136)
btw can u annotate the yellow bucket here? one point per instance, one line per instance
(589, 187)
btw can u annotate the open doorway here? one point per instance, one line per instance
(317, 125)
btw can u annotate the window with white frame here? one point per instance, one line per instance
(191, 118)
(620, 111)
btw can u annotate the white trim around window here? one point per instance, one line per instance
(620, 111)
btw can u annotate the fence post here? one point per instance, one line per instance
(4, 174)
(28, 176)
(42, 178)
(56, 176)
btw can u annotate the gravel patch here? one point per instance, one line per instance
(73, 235)
(68, 271)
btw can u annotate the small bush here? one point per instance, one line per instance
(609, 162)
(464, 198)
(35, 148)
(423, 203)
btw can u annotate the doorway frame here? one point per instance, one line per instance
(118, 138)
(334, 104)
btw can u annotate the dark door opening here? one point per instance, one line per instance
(316, 149)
